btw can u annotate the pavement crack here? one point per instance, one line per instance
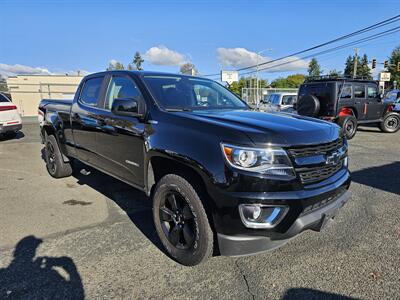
(245, 279)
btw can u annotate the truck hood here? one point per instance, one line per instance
(275, 128)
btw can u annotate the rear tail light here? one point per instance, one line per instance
(8, 107)
(40, 113)
(390, 108)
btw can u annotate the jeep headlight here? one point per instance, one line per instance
(269, 161)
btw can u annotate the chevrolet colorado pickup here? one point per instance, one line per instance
(222, 178)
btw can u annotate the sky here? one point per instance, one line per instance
(43, 36)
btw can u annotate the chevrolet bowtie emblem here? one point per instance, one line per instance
(333, 158)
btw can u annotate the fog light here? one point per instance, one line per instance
(261, 216)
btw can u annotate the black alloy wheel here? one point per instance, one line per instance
(55, 164)
(51, 158)
(181, 221)
(177, 221)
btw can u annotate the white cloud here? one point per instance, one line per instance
(241, 57)
(161, 55)
(12, 70)
(17, 69)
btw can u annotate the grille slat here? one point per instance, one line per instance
(316, 149)
(313, 174)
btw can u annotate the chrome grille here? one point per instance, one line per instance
(315, 149)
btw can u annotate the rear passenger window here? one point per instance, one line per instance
(372, 92)
(91, 91)
(346, 91)
(359, 91)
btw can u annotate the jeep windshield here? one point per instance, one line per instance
(190, 93)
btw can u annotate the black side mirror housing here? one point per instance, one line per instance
(129, 107)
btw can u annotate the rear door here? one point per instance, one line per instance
(120, 140)
(360, 100)
(375, 105)
(84, 121)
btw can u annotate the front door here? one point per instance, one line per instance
(375, 106)
(120, 142)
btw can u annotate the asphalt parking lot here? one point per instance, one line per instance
(93, 237)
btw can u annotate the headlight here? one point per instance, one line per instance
(269, 161)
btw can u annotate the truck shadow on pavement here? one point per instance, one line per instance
(31, 277)
(19, 136)
(135, 203)
(304, 293)
(385, 177)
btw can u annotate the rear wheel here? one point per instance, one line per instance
(181, 221)
(55, 164)
(349, 125)
(390, 123)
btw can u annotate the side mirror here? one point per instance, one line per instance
(129, 107)
(294, 105)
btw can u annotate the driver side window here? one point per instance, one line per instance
(120, 87)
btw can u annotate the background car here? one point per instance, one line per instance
(10, 120)
(279, 102)
(392, 96)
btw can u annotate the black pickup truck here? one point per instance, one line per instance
(223, 178)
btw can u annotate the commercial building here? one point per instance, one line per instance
(27, 90)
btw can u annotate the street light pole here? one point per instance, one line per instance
(257, 81)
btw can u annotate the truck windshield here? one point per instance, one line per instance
(189, 93)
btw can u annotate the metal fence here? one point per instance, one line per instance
(253, 96)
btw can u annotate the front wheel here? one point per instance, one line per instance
(181, 221)
(349, 125)
(390, 123)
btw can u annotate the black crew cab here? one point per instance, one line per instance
(348, 102)
(218, 173)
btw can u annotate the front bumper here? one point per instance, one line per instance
(10, 128)
(315, 220)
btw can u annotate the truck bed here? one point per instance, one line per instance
(55, 105)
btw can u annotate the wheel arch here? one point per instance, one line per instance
(348, 111)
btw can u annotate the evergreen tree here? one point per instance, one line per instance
(314, 69)
(394, 59)
(137, 61)
(363, 69)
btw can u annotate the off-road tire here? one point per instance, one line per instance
(200, 247)
(349, 125)
(390, 123)
(55, 164)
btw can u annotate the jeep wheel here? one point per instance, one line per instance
(390, 123)
(349, 125)
(181, 221)
(308, 105)
(55, 164)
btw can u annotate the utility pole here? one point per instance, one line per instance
(355, 62)
(257, 80)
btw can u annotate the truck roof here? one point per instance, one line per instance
(141, 73)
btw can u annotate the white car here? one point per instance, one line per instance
(279, 102)
(10, 120)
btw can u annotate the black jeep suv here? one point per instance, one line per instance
(348, 102)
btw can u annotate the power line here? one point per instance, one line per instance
(358, 32)
(353, 43)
